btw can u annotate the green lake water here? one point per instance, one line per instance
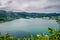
(20, 27)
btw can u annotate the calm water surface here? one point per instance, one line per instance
(25, 26)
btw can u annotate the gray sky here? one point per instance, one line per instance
(30, 5)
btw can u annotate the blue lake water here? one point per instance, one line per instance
(25, 26)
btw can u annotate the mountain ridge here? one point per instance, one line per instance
(9, 15)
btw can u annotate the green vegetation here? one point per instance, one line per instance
(58, 19)
(9, 16)
(53, 35)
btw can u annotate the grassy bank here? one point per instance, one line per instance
(54, 35)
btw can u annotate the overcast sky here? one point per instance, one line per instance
(30, 5)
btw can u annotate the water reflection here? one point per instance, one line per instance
(32, 25)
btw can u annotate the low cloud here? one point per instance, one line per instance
(31, 5)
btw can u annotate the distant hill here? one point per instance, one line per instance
(8, 16)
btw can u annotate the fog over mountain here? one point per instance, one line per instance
(30, 5)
